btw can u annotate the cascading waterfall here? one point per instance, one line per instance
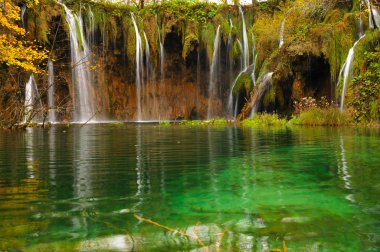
(214, 74)
(245, 41)
(51, 93)
(347, 71)
(162, 53)
(260, 92)
(139, 68)
(281, 39)
(32, 104)
(245, 68)
(23, 10)
(83, 93)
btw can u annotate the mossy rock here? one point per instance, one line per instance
(191, 40)
(243, 83)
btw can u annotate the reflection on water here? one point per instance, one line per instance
(343, 169)
(236, 189)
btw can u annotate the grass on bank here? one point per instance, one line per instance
(311, 117)
(322, 117)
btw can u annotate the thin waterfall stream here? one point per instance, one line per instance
(245, 40)
(281, 39)
(214, 76)
(162, 53)
(139, 69)
(52, 117)
(32, 104)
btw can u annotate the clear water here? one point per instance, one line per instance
(78, 188)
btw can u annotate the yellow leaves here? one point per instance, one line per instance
(14, 50)
(8, 16)
(32, 2)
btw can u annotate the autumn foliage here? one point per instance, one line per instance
(15, 50)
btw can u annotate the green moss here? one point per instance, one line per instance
(363, 95)
(191, 40)
(151, 31)
(236, 52)
(112, 30)
(270, 96)
(208, 35)
(131, 38)
(77, 28)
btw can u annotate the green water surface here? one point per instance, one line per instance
(79, 189)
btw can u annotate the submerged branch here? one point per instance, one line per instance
(175, 231)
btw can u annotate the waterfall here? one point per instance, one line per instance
(376, 17)
(51, 93)
(241, 55)
(162, 53)
(32, 104)
(232, 108)
(373, 16)
(236, 108)
(245, 41)
(23, 10)
(254, 57)
(361, 29)
(230, 73)
(83, 93)
(29, 98)
(281, 39)
(260, 92)
(139, 68)
(198, 81)
(249, 69)
(147, 58)
(370, 16)
(214, 74)
(347, 71)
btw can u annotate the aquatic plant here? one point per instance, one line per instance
(215, 122)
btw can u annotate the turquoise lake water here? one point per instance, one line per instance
(224, 189)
